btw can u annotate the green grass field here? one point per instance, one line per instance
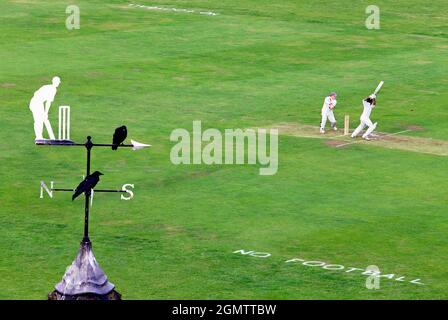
(257, 63)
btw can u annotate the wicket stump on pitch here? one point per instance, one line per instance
(64, 123)
(346, 125)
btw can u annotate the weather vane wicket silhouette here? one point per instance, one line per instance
(84, 279)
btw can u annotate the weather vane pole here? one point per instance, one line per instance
(86, 239)
(84, 279)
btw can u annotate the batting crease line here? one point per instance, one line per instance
(387, 135)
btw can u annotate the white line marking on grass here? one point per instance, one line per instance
(341, 135)
(207, 13)
(387, 135)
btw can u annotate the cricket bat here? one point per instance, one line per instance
(378, 88)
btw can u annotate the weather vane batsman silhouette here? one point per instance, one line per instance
(40, 106)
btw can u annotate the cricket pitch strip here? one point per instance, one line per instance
(398, 140)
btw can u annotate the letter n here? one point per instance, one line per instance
(243, 251)
(49, 191)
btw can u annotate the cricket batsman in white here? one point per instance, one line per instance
(369, 103)
(40, 106)
(327, 112)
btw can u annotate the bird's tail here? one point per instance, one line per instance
(114, 147)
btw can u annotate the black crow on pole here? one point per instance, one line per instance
(120, 135)
(87, 184)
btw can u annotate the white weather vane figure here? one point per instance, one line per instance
(40, 106)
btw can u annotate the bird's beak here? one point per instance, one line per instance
(101, 174)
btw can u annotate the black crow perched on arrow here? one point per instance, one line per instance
(119, 136)
(87, 184)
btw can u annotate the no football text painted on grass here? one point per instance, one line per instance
(332, 267)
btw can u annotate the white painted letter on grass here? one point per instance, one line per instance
(253, 253)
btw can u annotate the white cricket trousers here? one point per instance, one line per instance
(327, 114)
(364, 122)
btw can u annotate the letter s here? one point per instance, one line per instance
(128, 191)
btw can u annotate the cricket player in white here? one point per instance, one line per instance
(40, 105)
(369, 103)
(327, 112)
